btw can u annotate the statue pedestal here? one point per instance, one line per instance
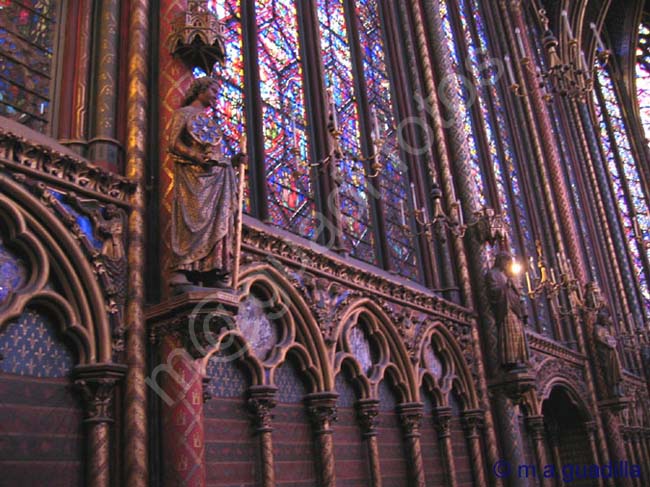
(514, 383)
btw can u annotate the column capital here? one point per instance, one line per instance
(95, 384)
(535, 425)
(260, 403)
(442, 417)
(472, 420)
(367, 411)
(410, 414)
(321, 407)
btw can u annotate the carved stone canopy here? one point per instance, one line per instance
(197, 37)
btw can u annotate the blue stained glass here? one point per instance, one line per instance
(460, 102)
(27, 35)
(622, 147)
(13, 272)
(394, 179)
(353, 193)
(229, 107)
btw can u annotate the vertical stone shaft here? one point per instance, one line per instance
(442, 423)
(261, 402)
(472, 421)
(535, 426)
(182, 417)
(411, 417)
(367, 411)
(135, 398)
(321, 408)
(104, 148)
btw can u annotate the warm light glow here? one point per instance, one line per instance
(515, 268)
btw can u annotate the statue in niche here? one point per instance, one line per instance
(205, 194)
(505, 299)
(606, 344)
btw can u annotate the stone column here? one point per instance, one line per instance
(261, 402)
(411, 416)
(442, 418)
(591, 429)
(182, 416)
(367, 411)
(535, 427)
(321, 408)
(104, 148)
(96, 384)
(472, 424)
(135, 451)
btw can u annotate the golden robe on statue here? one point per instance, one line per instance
(204, 200)
(508, 314)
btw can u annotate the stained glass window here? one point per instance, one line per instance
(394, 178)
(339, 79)
(27, 39)
(643, 76)
(626, 183)
(291, 203)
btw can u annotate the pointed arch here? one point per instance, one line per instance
(80, 307)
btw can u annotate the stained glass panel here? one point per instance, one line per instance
(229, 108)
(291, 203)
(354, 198)
(27, 36)
(394, 178)
(620, 146)
(459, 101)
(643, 77)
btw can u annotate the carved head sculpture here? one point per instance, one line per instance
(593, 298)
(502, 260)
(198, 87)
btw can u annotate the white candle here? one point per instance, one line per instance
(242, 142)
(560, 263)
(295, 133)
(375, 123)
(530, 288)
(413, 195)
(585, 67)
(599, 41)
(335, 119)
(520, 42)
(425, 215)
(531, 267)
(511, 73)
(402, 213)
(567, 24)
(461, 221)
(553, 275)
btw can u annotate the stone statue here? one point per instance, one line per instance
(607, 352)
(505, 299)
(205, 193)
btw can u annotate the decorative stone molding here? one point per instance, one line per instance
(28, 152)
(473, 421)
(198, 318)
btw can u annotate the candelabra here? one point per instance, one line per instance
(441, 223)
(541, 279)
(336, 152)
(568, 77)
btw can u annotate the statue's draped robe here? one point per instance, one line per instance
(609, 359)
(203, 207)
(506, 306)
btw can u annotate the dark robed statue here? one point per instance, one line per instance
(505, 299)
(205, 189)
(606, 345)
